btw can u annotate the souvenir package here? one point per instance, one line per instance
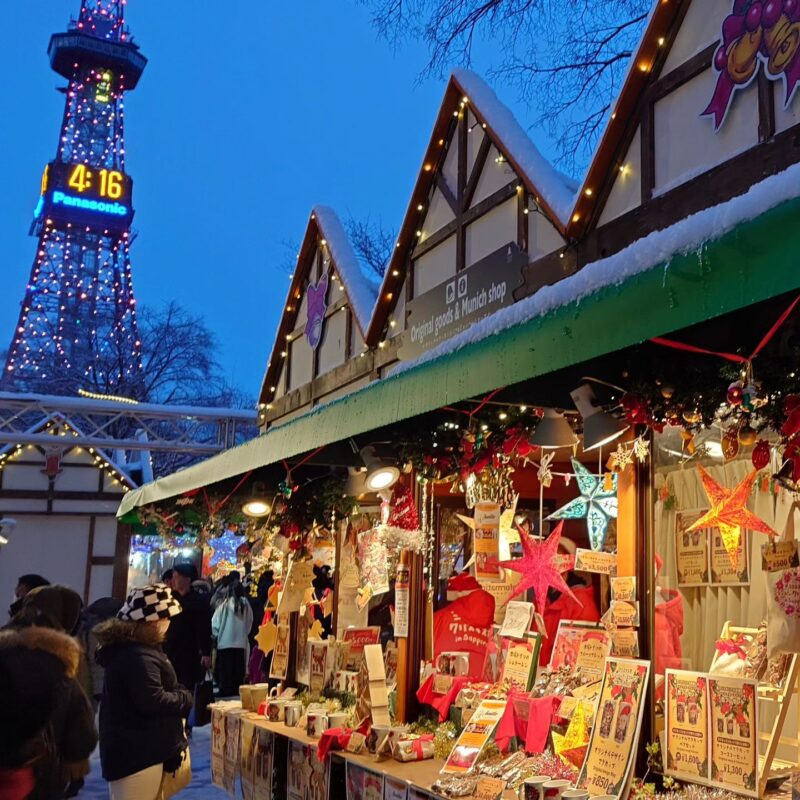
(504, 767)
(731, 657)
(417, 748)
(454, 786)
(559, 682)
(345, 681)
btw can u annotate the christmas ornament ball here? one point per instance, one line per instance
(730, 445)
(747, 436)
(735, 392)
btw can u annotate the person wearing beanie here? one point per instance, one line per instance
(142, 706)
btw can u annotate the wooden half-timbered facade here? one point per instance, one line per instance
(707, 110)
(63, 500)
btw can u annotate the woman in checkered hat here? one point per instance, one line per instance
(143, 706)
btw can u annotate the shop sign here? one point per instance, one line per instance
(459, 302)
(712, 730)
(611, 752)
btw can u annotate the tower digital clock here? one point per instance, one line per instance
(85, 194)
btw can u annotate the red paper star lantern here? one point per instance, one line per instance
(539, 567)
(729, 513)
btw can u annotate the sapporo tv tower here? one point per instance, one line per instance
(77, 322)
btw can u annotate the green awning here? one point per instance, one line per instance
(754, 261)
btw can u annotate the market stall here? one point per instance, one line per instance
(543, 543)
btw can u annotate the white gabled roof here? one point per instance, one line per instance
(557, 189)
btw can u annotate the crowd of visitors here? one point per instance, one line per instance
(140, 663)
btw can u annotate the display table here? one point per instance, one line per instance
(418, 775)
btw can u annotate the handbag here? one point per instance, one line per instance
(200, 714)
(174, 782)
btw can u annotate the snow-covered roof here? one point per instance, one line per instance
(557, 189)
(659, 247)
(361, 291)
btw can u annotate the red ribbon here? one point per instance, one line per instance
(731, 647)
(690, 348)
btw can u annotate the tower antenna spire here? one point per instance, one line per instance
(77, 324)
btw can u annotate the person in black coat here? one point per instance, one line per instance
(142, 706)
(188, 640)
(47, 730)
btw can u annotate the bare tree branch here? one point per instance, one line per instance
(566, 60)
(373, 243)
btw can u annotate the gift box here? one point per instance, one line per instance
(419, 748)
(460, 716)
(345, 681)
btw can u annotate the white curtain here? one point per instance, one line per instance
(706, 609)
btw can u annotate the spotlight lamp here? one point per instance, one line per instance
(599, 427)
(258, 505)
(382, 473)
(553, 431)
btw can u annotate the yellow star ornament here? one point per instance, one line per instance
(265, 638)
(729, 513)
(571, 746)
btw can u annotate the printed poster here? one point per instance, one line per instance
(233, 727)
(734, 734)
(593, 561)
(318, 668)
(373, 561)
(567, 643)
(296, 769)
(262, 764)
(722, 571)
(317, 774)
(474, 737)
(687, 726)
(402, 587)
(593, 650)
(487, 541)
(517, 620)
(356, 639)
(691, 550)
(394, 789)
(611, 752)
(247, 764)
(280, 655)
(217, 747)
(779, 556)
(302, 664)
(520, 660)
(363, 784)
(298, 580)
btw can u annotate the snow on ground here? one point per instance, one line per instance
(199, 789)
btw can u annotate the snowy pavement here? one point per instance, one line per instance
(200, 788)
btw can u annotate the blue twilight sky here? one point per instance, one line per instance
(247, 115)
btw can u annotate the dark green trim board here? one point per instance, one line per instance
(753, 262)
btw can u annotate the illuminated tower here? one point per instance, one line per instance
(77, 322)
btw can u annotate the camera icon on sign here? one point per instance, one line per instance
(450, 292)
(462, 285)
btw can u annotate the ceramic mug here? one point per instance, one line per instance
(316, 723)
(575, 794)
(294, 711)
(338, 719)
(533, 787)
(274, 712)
(246, 696)
(258, 694)
(554, 790)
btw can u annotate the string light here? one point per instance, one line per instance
(78, 315)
